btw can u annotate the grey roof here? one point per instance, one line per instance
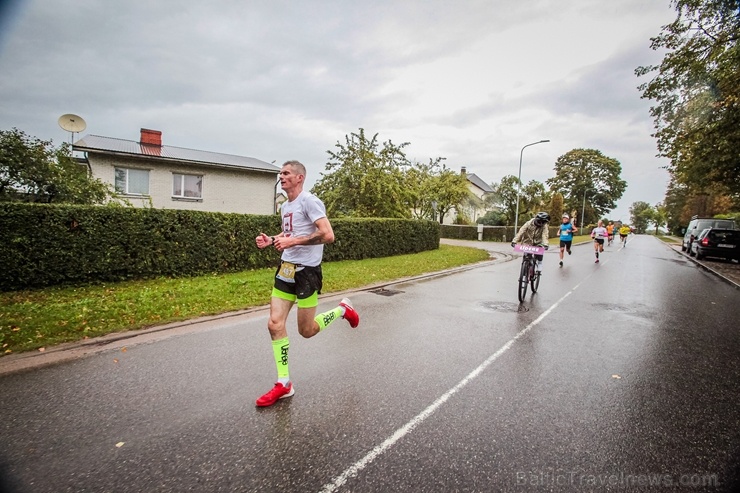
(96, 143)
(478, 182)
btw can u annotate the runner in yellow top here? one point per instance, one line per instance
(624, 231)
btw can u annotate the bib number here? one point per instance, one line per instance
(287, 272)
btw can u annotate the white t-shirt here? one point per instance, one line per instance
(599, 233)
(299, 216)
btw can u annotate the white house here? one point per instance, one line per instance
(473, 209)
(149, 174)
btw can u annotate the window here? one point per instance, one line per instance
(132, 181)
(187, 186)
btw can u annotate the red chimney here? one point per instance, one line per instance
(151, 137)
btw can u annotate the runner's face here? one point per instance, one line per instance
(289, 179)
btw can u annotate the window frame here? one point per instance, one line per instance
(182, 186)
(128, 181)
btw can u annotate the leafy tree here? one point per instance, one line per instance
(532, 200)
(660, 216)
(418, 183)
(448, 189)
(641, 214)
(33, 170)
(588, 171)
(555, 208)
(675, 201)
(493, 218)
(697, 95)
(505, 193)
(365, 179)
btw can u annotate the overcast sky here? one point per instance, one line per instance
(471, 81)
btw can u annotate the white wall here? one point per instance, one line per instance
(224, 190)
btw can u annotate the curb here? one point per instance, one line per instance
(677, 249)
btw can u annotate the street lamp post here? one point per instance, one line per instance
(519, 188)
(583, 208)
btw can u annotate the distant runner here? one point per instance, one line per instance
(599, 233)
(566, 236)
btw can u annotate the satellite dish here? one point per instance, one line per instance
(72, 123)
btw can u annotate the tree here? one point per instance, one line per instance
(555, 208)
(448, 189)
(33, 170)
(493, 218)
(697, 95)
(660, 216)
(506, 193)
(365, 179)
(532, 200)
(588, 171)
(642, 215)
(418, 183)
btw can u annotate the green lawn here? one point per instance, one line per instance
(40, 318)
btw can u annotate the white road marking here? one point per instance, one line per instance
(358, 466)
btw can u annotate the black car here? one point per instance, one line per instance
(715, 242)
(699, 224)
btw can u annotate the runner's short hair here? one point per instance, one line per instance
(297, 166)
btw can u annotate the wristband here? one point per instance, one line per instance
(273, 240)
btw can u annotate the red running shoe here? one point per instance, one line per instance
(350, 315)
(279, 391)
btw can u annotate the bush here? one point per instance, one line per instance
(45, 244)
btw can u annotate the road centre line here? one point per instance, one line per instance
(358, 466)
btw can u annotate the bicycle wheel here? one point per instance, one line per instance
(535, 281)
(523, 280)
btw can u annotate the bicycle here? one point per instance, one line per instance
(528, 275)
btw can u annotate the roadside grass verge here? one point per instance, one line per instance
(670, 239)
(34, 319)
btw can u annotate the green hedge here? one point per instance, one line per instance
(490, 233)
(46, 244)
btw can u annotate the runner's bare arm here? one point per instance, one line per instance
(324, 234)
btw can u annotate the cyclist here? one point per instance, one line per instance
(624, 231)
(598, 234)
(534, 232)
(566, 236)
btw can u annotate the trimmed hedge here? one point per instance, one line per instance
(47, 244)
(490, 233)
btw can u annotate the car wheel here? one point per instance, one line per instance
(683, 247)
(699, 257)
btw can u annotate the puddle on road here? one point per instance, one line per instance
(503, 306)
(636, 310)
(386, 292)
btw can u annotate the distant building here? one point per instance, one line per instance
(149, 174)
(473, 208)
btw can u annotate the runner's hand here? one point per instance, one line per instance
(513, 244)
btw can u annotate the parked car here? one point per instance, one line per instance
(699, 224)
(713, 242)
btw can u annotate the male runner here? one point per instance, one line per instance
(298, 279)
(566, 236)
(610, 232)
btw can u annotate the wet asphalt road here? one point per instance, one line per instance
(621, 376)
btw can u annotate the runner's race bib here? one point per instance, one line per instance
(287, 272)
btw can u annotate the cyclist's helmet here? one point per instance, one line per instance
(541, 218)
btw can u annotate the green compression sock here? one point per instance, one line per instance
(326, 318)
(280, 351)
